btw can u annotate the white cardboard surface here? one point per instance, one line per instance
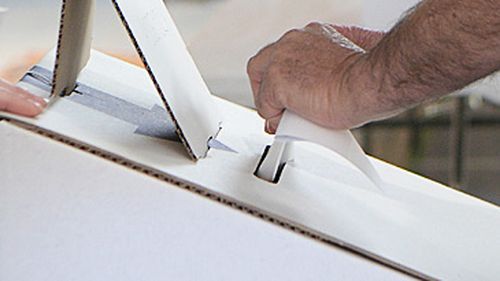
(416, 223)
(68, 215)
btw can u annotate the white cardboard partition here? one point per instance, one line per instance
(74, 47)
(173, 72)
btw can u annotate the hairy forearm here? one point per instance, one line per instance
(439, 47)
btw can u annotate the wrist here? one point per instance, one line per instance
(355, 93)
(368, 90)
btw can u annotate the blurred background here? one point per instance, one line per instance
(453, 141)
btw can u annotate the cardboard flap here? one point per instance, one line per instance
(173, 71)
(73, 46)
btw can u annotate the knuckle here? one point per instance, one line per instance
(257, 61)
(290, 34)
(314, 25)
(264, 50)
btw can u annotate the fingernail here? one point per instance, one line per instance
(38, 104)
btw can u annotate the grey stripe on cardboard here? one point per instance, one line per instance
(154, 122)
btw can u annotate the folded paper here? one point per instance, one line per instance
(294, 128)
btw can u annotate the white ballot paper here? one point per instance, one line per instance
(294, 128)
(148, 119)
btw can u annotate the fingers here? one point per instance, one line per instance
(257, 68)
(296, 73)
(18, 101)
(19, 105)
(268, 102)
(262, 82)
(258, 65)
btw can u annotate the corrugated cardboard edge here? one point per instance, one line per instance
(222, 199)
(71, 61)
(178, 129)
(58, 47)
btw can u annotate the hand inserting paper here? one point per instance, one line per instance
(295, 128)
(319, 73)
(301, 70)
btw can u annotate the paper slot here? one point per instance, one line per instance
(294, 128)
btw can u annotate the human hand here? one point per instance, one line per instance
(18, 101)
(306, 72)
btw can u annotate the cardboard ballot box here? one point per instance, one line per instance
(134, 173)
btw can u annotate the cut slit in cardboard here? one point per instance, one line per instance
(320, 195)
